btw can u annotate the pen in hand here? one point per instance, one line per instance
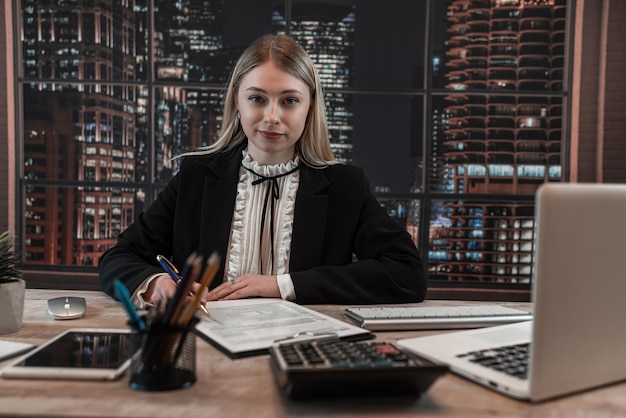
(172, 271)
(212, 264)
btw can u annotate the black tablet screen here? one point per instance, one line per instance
(106, 350)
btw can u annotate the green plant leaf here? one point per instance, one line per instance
(9, 258)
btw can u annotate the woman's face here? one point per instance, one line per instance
(273, 107)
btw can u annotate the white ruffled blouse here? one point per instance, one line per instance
(244, 254)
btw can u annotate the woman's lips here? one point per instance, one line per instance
(270, 134)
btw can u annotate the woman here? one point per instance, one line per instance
(287, 219)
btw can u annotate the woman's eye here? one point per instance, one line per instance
(256, 99)
(291, 100)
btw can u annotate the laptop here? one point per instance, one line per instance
(577, 338)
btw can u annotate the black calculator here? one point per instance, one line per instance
(330, 367)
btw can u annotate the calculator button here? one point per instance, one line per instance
(386, 349)
(361, 363)
(340, 363)
(383, 362)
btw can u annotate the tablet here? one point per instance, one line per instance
(78, 353)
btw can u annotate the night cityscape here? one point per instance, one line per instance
(456, 127)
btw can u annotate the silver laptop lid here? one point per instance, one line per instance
(579, 338)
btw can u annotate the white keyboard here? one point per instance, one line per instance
(377, 318)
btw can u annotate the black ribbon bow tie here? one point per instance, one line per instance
(272, 190)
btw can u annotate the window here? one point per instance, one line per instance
(455, 127)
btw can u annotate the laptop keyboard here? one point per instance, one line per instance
(510, 359)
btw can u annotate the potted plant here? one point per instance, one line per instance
(12, 286)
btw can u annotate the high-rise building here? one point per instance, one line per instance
(327, 31)
(83, 131)
(505, 143)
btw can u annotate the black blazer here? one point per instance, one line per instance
(336, 216)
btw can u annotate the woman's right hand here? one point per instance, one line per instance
(160, 290)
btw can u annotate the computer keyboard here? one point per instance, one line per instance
(510, 359)
(387, 318)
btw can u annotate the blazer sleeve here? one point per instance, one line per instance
(384, 265)
(191, 214)
(133, 258)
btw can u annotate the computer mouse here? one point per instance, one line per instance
(67, 307)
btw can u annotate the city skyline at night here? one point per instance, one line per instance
(99, 109)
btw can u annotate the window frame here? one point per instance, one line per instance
(81, 277)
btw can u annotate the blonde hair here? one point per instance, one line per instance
(313, 147)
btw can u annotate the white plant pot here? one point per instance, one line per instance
(11, 305)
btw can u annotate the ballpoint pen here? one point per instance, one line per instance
(175, 305)
(172, 271)
(212, 264)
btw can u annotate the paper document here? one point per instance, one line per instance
(249, 326)
(10, 349)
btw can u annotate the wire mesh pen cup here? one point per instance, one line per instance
(164, 358)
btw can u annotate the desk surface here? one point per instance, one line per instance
(245, 387)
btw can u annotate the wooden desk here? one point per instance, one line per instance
(245, 388)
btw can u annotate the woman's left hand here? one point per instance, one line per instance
(246, 286)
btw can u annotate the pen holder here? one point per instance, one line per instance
(164, 358)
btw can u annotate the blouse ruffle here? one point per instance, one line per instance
(283, 220)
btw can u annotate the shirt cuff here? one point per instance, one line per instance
(137, 296)
(285, 286)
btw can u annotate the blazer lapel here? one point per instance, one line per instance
(309, 220)
(218, 203)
